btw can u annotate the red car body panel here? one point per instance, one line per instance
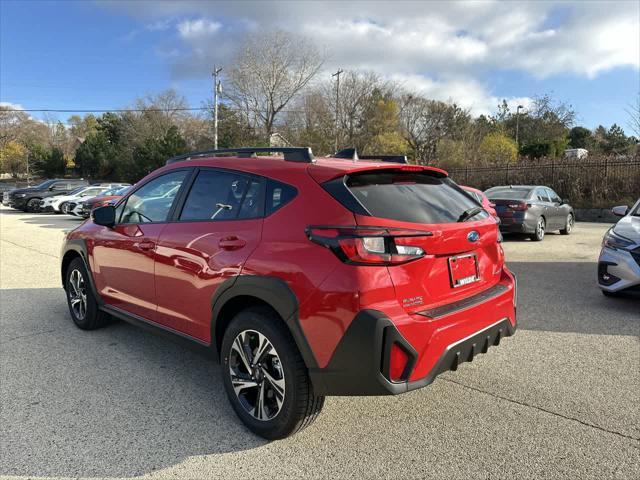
(169, 272)
(486, 203)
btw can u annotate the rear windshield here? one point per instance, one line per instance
(507, 194)
(410, 197)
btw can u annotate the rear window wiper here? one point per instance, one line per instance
(469, 213)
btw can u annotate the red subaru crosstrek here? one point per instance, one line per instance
(304, 277)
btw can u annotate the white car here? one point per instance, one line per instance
(58, 203)
(619, 262)
(82, 207)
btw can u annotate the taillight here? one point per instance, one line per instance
(518, 206)
(370, 245)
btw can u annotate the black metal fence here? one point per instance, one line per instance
(587, 183)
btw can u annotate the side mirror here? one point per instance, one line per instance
(620, 210)
(105, 216)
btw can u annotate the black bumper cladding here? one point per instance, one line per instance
(359, 365)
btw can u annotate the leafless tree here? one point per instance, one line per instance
(634, 116)
(268, 72)
(425, 122)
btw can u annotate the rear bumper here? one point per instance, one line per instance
(433, 345)
(525, 224)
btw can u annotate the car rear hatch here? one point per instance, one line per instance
(441, 247)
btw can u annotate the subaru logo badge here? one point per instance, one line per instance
(473, 236)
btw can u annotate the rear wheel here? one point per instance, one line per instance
(538, 235)
(83, 306)
(265, 377)
(568, 226)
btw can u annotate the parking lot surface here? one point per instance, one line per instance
(560, 399)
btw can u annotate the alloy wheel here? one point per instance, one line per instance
(540, 228)
(32, 204)
(569, 223)
(77, 294)
(257, 375)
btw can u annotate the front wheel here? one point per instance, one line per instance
(538, 235)
(32, 205)
(83, 306)
(265, 377)
(568, 226)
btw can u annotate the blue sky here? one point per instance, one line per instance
(102, 55)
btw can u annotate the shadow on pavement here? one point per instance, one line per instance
(564, 297)
(113, 402)
(46, 220)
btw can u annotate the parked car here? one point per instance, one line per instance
(60, 203)
(482, 199)
(619, 262)
(28, 199)
(531, 209)
(83, 207)
(305, 277)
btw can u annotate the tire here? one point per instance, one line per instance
(538, 235)
(280, 369)
(61, 208)
(568, 226)
(83, 306)
(32, 205)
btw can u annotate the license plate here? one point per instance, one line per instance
(463, 269)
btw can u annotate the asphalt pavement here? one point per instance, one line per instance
(560, 399)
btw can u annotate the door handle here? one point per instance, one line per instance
(231, 243)
(146, 245)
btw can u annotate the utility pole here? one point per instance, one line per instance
(518, 126)
(217, 88)
(337, 75)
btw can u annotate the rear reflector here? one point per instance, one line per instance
(397, 363)
(369, 245)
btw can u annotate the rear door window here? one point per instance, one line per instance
(541, 194)
(218, 195)
(410, 197)
(553, 196)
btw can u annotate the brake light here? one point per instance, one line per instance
(412, 168)
(518, 206)
(369, 245)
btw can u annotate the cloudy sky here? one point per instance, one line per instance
(101, 55)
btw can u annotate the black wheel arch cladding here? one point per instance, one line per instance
(272, 291)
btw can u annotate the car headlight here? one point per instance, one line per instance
(20, 195)
(615, 241)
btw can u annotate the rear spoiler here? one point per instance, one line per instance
(352, 154)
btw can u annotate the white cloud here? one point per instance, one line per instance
(442, 48)
(191, 29)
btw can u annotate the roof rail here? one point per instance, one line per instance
(291, 154)
(352, 154)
